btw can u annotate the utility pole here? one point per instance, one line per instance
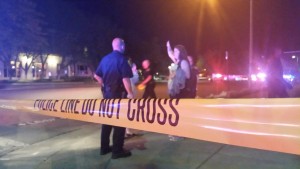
(250, 42)
(227, 60)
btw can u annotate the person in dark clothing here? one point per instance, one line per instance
(275, 81)
(113, 74)
(194, 78)
(148, 81)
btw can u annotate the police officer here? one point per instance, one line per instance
(148, 81)
(113, 74)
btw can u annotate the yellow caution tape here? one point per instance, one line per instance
(269, 124)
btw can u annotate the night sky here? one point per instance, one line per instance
(204, 25)
(221, 24)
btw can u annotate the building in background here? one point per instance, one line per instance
(34, 68)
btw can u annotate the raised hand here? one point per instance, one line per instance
(168, 44)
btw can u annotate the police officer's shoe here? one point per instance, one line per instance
(105, 151)
(122, 154)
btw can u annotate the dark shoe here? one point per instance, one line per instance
(105, 151)
(128, 136)
(122, 154)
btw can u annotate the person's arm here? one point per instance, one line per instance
(144, 82)
(127, 84)
(185, 67)
(99, 80)
(170, 52)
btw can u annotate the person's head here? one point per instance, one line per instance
(146, 64)
(118, 44)
(191, 60)
(180, 52)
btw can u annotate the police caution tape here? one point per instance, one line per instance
(269, 124)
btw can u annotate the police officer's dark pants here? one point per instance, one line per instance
(118, 133)
(149, 91)
(118, 138)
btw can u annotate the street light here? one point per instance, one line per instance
(206, 6)
(296, 57)
(211, 3)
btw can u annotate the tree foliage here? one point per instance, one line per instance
(21, 30)
(39, 28)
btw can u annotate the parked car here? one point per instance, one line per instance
(204, 75)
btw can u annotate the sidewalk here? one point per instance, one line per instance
(190, 153)
(79, 149)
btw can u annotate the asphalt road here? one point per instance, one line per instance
(30, 141)
(91, 90)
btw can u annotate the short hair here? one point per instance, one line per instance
(117, 43)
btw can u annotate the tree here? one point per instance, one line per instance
(21, 30)
(75, 35)
(98, 40)
(26, 63)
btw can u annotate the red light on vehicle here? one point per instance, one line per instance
(217, 75)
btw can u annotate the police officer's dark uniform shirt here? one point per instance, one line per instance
(149, 73)
(112, 69)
